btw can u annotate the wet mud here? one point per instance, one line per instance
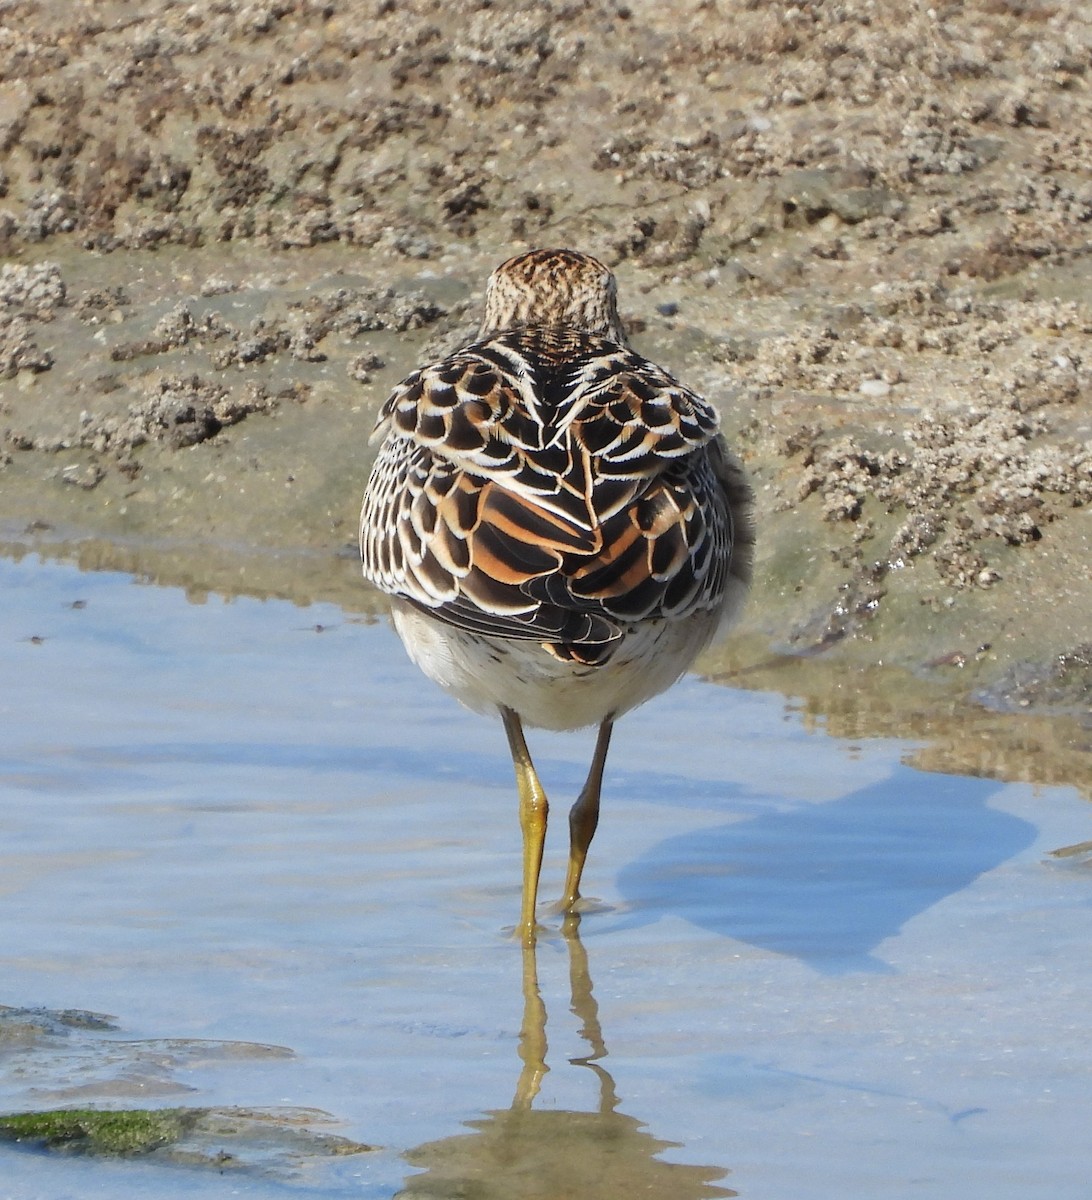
(230, 230)
(76, 1056)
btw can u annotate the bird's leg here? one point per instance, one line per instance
(533, 811)
(584, 817)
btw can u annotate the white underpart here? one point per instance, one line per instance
(487, 673)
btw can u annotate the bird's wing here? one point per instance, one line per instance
(554, 499)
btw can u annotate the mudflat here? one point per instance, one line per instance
(862, 231)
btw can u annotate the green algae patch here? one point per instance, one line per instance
(91, 1131)
(248, 1139)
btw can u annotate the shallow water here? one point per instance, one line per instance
(283, 863)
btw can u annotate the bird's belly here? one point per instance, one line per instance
(485, 673)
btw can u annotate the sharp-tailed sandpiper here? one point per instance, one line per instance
(559, 524)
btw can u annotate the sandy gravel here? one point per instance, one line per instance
(862, 229)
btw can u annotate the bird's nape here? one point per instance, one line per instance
(560, 288)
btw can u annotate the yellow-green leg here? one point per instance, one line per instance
(584, 817)
(533, 812)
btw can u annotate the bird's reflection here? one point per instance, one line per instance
(523, 1153)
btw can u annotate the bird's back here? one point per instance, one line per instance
(549, 485)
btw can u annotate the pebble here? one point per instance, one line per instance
(874, 387)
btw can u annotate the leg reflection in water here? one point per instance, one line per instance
(523, 1153)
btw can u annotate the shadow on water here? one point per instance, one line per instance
(828, 883)
(524, 1153)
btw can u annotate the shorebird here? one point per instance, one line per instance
(559, 523)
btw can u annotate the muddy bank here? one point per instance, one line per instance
(230, 232)
(75, 1058)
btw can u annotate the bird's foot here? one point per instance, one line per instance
(578, 906)
(526, 932)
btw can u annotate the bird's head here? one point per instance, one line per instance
(553, 287)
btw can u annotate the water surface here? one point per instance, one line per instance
(283, 863)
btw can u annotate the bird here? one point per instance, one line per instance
(559, 524)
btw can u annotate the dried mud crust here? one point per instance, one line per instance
(408, 124)
(864, 232)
